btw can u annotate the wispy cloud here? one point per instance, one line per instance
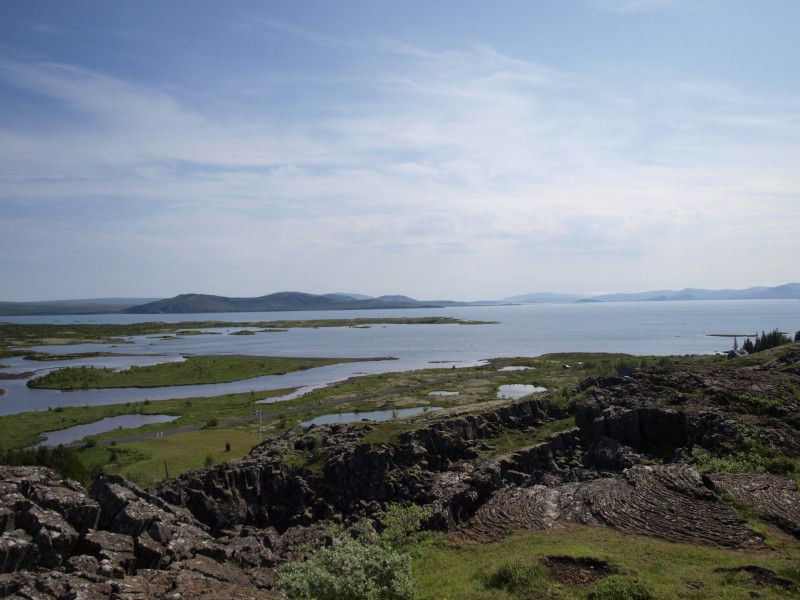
(451, 157)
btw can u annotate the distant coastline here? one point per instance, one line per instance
(299, 301)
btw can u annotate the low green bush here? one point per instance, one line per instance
(518, 578)
(349, 570)
(401, 525)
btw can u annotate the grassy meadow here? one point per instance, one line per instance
(511, 569)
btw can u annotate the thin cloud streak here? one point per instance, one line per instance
(463, 156)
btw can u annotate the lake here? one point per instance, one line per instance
(78, 432)
(372, 415)
(639, 328)
(518, 390)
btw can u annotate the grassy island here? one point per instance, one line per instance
(194, 370)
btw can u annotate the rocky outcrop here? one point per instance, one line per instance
(669, 503)
(695, 405)
(775, 498)
(115, 540)
(358, 478)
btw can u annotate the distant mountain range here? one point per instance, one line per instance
(282, 301)
(787, 291)
(298, 301)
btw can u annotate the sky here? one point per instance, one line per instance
(454, 149)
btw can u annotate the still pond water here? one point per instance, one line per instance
(372, 415)
(73, 434)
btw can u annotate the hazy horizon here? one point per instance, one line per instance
(509, 298)
(441, 150)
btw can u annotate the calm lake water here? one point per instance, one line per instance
(518, 390)
(639, 328)
(372, 415)
(78, 432)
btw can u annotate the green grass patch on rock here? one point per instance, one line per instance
(515, 439)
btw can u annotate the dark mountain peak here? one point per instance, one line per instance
(397, 298)
(279, 301)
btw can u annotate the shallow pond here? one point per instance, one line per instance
(518, 390)
(373, 415)
(74, 434)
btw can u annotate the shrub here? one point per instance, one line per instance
(618, 587)
(518, 577)
(750, 456)
(62, 460)
(349, 570)
(209, 461)
(401, 525)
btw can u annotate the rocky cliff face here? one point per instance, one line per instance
(221, 531)
(356, 479)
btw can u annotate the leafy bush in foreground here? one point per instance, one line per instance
(349, 570)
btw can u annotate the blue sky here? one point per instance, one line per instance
(450, 149)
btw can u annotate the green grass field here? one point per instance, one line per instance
(143, 462)
(23, 429)
(445, 570)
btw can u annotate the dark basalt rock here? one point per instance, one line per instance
(114, 552)
(776, 498)
(667, 502)
(126, 543)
